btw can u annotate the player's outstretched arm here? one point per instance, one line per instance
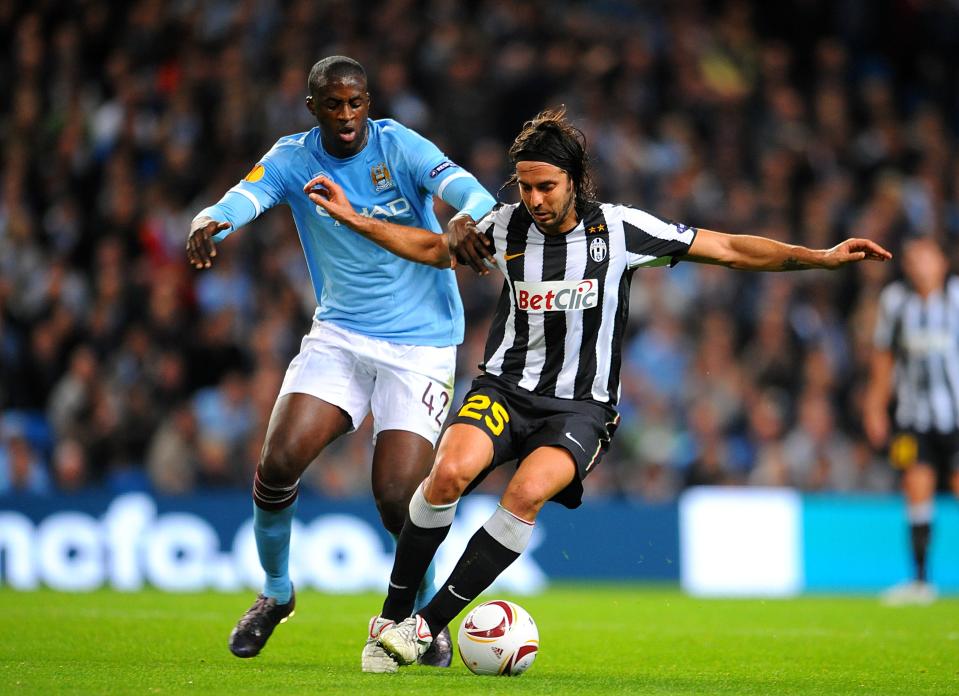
(200, 248)
(751, 253)
(410, 243)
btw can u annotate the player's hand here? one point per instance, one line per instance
(330, 196)
(854, 250)
(875, 422)
(467, 245)
(200, 247)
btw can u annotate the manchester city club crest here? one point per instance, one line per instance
(597, 249)
(380, 174)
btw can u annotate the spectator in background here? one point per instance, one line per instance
(767, 417)
(70, 469)
(818, 456)
(21, 469)
(172, 456)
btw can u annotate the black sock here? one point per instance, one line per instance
(920, 534)
(481, 563)
(415, 549)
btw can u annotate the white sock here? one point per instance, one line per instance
(423, 514)
(511, 531)
(919, 513)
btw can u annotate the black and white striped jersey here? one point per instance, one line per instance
(559, 323)
(923, 335)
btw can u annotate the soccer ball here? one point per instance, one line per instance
(498, 638)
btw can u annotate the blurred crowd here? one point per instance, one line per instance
(803, 120)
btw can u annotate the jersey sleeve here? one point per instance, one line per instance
(486, 223)
(651, 241)
(433, 171)
(261, 189)
(427, 164)
(890, 301)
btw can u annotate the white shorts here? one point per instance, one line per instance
(407, 387)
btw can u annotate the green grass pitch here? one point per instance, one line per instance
(605, 640)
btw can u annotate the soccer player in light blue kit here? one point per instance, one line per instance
(385, 331)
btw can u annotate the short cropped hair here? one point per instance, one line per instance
(333, 68)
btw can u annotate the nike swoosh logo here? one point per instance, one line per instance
(576, 441)
(510, 257)
(398, 587)
(458, 596)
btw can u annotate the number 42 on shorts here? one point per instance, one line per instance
(440, 408)
(477, 404)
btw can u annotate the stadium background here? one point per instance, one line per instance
(124, 371)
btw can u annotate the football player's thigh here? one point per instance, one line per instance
(329, 368)
(413, 390)
(464, 452)
(542, 474)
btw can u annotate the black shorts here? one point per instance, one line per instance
(938, 450)
(518, 422)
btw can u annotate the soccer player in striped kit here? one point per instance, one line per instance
(916, 357)
(547, 395)
(385, 330)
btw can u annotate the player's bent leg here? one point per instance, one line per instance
(428, 521)
(425, 529)
(300, 427)
(426, 526)
(401, 460)
(504, 536)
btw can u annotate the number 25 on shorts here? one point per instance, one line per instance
(476, 404)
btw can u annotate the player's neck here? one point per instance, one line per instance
(565, 227)
(926, 288)
(338, 151)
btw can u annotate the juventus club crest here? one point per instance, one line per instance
(597, 249)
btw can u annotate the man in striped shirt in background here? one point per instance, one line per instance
(550, 383)
(916, 356)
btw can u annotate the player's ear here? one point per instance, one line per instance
(310, 104)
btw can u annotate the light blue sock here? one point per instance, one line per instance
(272, 532)
(426, 591)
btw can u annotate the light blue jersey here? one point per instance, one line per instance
(359, 285)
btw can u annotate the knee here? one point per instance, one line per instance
(447, 481)
(280, 464)
(392, 502)
(524, 499)
(919, 483)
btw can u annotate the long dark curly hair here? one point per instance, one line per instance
(560, 143)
